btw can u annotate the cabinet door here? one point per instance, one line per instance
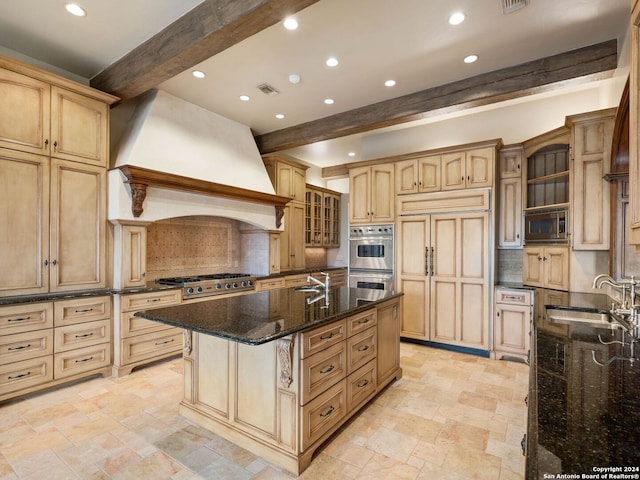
(78, 237)
(444, 305)
(297, 236)
(510, 220)
(429, 174)
(382, 193)
(532, 272)
(359, 194)
(479, 167)
(274, 253)
(25, 106)
(453, 171)
(556, 265)
(511, 162)
(388, 338)
(286, 255)
(331, 220)
(284, 182)
(79, 127)
(511, 328)
(134, 255)
(299, 182)
(407, 177)
(24, 216)
(314, 206)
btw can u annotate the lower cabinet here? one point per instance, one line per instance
(49, 343)
(283, 399)
(512, 323)
(546, 267)
(138, 341)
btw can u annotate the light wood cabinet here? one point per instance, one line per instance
(546, 267)
(468, 169)
(46, 344)
(322, 217)
(634, 126)
(443, 270)
(287, 176)
(591, 137)
(138, 341)
(372, 194)
(307, 384)
(55, 213)
(274, 253)
(130, 254)
(292, 238)
(510, 197)
(418, 175)
(512, 323)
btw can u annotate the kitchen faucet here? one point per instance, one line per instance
(324, 285)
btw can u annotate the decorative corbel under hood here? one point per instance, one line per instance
(140, 178)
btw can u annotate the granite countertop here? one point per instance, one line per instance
(582, 416)
(261, 317)
(52, 297)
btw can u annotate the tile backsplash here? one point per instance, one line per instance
(509, 266)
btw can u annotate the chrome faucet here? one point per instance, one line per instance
(324, 285)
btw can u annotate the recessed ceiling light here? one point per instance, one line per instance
(329, 101)
(279, 116)
(470, 58)
(332, 62)
(294, 78)
(245, 98)
(456, 18)
(290, 23)
(76, 10)
(389, 83)
(352, 154)
(198, 74)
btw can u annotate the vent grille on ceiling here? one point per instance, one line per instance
(267, 89)
(509, 6)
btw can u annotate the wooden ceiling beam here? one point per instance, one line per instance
(595, 61)
(204, 31)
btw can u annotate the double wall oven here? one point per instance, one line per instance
(371, 257)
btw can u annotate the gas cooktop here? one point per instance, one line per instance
(197, 286)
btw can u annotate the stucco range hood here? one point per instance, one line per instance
(164, 142)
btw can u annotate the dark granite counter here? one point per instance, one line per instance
(584, 418)
(52, 297)
(261, 317)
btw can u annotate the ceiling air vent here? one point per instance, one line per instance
(267, 89)
(510, 6)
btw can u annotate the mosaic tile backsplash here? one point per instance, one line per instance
(509, 266)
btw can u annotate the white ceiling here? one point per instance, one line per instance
(409, 41)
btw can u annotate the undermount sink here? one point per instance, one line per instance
(578, 316)
(306, 288)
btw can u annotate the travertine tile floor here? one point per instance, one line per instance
(451, 416)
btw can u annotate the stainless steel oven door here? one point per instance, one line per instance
(371, 253)
(372, 280)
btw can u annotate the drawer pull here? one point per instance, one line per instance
(84, 335)
(328, 412)
(85, 310)
(82, 360)
(327, 336)
(19, 319)
(363, 348)
(165, 342)
(151, 300)
(21, 347)
(363, 320)
(363, 383)
(15, 377)
(327, 369)
(514, 297)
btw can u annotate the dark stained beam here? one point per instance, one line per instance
(595, 61)
(204, 31)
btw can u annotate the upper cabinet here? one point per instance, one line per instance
(418, 175)
(53, 120)
(287, 176)
(634, 128)
(468, 169)
(510, 197)
(322, 217)
(372, 194)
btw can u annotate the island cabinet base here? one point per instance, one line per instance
(283, 399)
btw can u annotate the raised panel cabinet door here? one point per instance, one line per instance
(79, 127)
(444, 297)
(24, 220)
(134, 255)
(453, 171)
(532, 271)
(413, 240)
(479, 167)
(510, 214)
(556, 265)
(299, 182)
(284, 185)
(511, 162)
(511, 328)
(382, 193)
(286, 257)
(429, 174)
(274, 253)
(78, 226)
(407, 177)
(25, 105)
(297, 235)
(359, 194)
(388, 338)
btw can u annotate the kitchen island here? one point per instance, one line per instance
(278, 372)
(584, 394)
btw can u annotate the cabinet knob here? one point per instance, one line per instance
(497, 314)
(54, 262)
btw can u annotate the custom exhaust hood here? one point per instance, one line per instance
(172, 158)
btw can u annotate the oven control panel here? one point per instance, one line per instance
(371, 231)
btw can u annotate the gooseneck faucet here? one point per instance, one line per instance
(324, 285)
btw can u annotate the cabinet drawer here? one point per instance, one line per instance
(361, 321)
(82, 335)
(131, 325)
(361, 348)
(27, 373)
(151, 345)
(269, 284)
(26, 317)
(361, 385)
(81, 360)
(322, 370)
(314, 340)
(23, 346)
(79, 310)
(323, 413)
(513, 297)
(146, 301)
